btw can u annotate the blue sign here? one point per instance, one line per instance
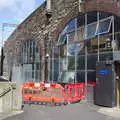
(103, 72)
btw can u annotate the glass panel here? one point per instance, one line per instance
(80, 62)
(63, 50)
(80, 33)
(117, 38)
(104, 26)
(71, 62)
(91, 30)
(91, 17)
(93, 47)
(117, 23)
(71, 36)
(56, 70)
(103, 15)
(37, 75)
(81, 76)
(64, 30)
(67, 77)
(74, 49)
(80, 20)
(106, 56)
(30, 55)
(104, 44)
(62, 39)
(56, 51)
(91, 75)
(91, 60)
(51, 70)
(71, 25)
(63, 65)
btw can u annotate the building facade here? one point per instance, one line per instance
(65, 43)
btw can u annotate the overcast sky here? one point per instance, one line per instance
(15, 11)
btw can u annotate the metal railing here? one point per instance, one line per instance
(7, 90)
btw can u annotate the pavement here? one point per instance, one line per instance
(9, 114)
(83, 111)
(113, 112)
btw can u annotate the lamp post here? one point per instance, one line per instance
(47, 68)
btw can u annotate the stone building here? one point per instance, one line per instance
(41, 29)
(65, 42)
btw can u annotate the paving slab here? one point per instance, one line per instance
(113, 112)
(9, 114)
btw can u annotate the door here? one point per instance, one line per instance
(105, 85)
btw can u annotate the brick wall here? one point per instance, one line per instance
(111, 6)
(34, 27)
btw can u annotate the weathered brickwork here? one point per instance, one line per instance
(111, 6)
(35, 27)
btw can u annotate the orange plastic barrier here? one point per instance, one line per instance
(75, 92)
(52, 93)
(27, 91)
(43, 93)
(47, 93)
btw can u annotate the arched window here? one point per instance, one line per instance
(30, 61)
(29, 52)
(85, 30)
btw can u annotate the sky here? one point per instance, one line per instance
(14, 12)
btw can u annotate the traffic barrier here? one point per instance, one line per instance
(42, 93)
(75, 92)
(27, 92)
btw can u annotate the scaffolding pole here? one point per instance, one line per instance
(86, 57)
(76, 37)
(53, 60)
(113, 35)
(59, 64)
(98, 19)
(67, 52)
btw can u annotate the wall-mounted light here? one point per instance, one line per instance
(81, 5)
(48, 6)
(47, 55)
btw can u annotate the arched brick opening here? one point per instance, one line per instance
(69, 17)
(110, 6)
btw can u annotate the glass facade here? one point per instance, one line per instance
(86, 39)
(30, 61)
(81, 44)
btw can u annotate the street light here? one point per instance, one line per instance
(47, 55)
(46, 67)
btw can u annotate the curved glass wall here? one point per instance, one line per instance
(84, 41)
(30, 61)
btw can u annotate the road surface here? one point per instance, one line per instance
(79, 111)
